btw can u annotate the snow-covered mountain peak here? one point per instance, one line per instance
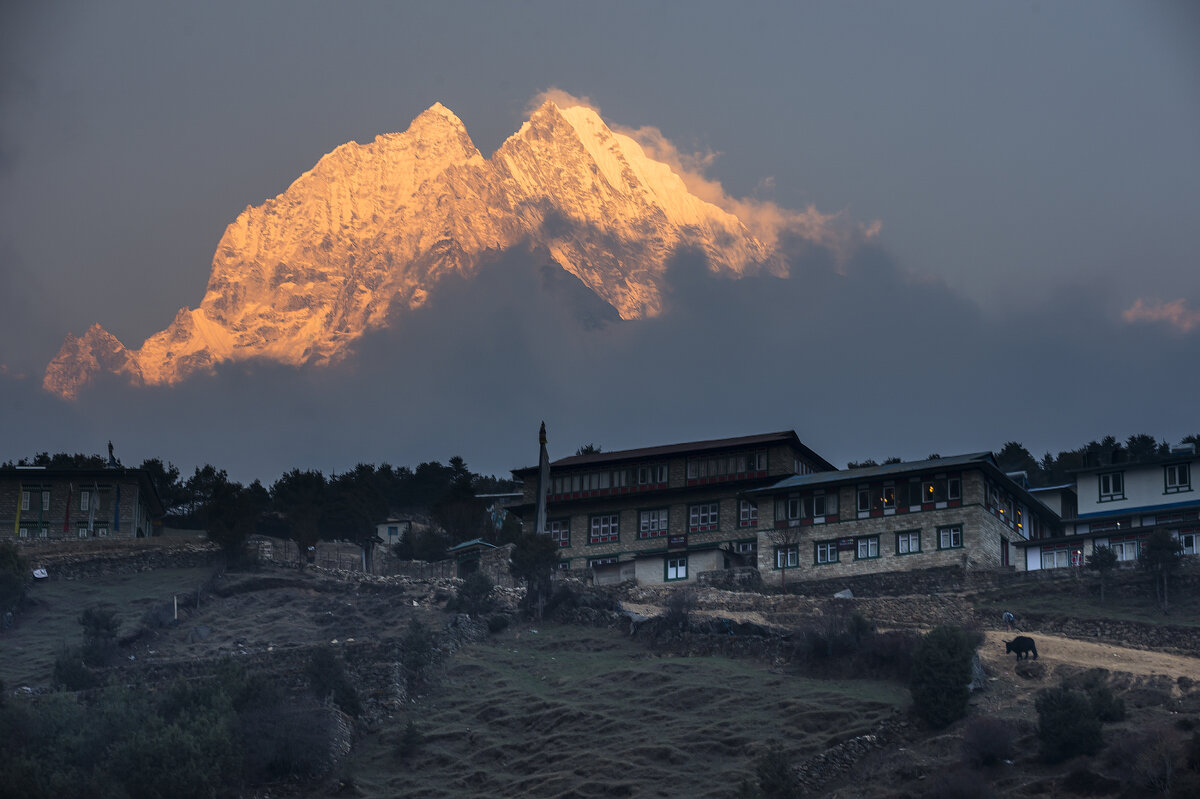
(371, 229)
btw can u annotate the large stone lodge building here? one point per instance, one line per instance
(667, 513)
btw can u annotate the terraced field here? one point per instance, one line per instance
(579, 712)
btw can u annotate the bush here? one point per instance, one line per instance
(416, 653)
(678, 608)
(70, 671)
(281, 740)
(889, 654)
(941, 671)
(14, 576)
(1152, 760)
(411, 740)
(100, 627)
(1108, 706)
(1067, 724)
(988, 742)
(774, 777)
(497, 623)
(474, 595)
(327, 677)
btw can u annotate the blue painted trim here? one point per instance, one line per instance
(1143, 509)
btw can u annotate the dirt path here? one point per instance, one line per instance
(1054, 650)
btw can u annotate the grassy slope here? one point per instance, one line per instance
(49, 622)
(578, 712)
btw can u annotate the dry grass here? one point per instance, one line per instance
(579, 712)
(50, 620)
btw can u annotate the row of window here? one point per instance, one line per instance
(85, 500)
(866, 547)
(44, 532)
(911, 494)
(674, 567)
(1126, 548)
(649, 475)
(739, 465)
(703, 517)
(1177, 478)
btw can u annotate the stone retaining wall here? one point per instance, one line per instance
(65, 564)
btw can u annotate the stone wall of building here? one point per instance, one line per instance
(981, 534)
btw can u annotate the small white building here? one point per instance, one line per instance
(1118, 504)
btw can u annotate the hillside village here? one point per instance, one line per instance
(749, 561)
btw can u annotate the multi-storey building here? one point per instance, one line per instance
(43, 502)
(663, 514)
(1118, 504)
(960, 510)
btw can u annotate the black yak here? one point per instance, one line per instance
(1022, 645)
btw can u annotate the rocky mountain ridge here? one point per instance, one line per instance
(370, 230)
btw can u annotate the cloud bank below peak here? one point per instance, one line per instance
(767, 221)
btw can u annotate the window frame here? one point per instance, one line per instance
(791, 559)
(700, 510)
(868, 540)
(747, 513)
(1181, 483)
(908, 536)
(951, 529)
(830, 549)
(560, 535)
(681, 563)
(613, 535)
(662, 517)
(25, 500)
(1114, 493)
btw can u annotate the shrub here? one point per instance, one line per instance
(1108, 706)
(1152, 760)
(284, 739)
(1067, 724)
(941, 671)
(327, 677)
(497, 623)
(988, 741)
(888, 654)
(416, 653)
(100, 627)
(71, 673)
(678, 608)
(411, 740)
(14, 575)
(1192, 752)
(774, 777)
(474, 595)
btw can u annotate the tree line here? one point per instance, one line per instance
(307, 506)
(1058, 469)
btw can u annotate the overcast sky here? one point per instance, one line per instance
(1034, 168)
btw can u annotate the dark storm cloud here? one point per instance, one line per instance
(860, 357)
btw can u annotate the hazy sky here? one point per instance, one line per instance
(1034, 167)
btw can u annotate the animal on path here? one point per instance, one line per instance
(1022, 645)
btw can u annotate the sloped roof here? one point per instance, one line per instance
(876, 472)
(686, 448)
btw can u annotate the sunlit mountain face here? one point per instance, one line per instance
(372, 229)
